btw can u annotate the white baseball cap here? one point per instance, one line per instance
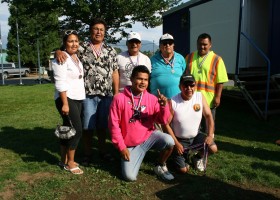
(134, 36)
(166, 36)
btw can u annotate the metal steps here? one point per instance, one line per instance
(253, 86)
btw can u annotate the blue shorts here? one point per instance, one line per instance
(96, 112)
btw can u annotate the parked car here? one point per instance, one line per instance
(10, 69)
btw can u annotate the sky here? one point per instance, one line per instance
(151, 34)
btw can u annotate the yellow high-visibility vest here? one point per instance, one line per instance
(211, 72)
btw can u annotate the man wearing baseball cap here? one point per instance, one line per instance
(187, 108)
(129, 59)
(167, 68)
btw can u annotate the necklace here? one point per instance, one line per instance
(133, 63)
(169, 63)
(136, 112)
(96, 51)
(201, 63)
(77, 64)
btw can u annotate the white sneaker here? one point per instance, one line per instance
(199, 164)
(163, 172)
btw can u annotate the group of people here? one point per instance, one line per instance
(145, 103)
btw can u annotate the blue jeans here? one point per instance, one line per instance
(96, 112)
(157, 140)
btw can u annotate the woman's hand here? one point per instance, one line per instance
(65, 110)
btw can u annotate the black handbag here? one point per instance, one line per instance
(65, 132)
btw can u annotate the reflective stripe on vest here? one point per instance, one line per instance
(205, 86)
(213, 69)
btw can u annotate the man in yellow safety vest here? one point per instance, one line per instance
(208, 70)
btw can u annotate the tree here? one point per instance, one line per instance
(119, 14)
(37, 25)
(39, 20)
(118, 50)
(148, 53)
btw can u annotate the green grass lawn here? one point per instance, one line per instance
(247, 165)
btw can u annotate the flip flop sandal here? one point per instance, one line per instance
(74, 169)
(62, 165)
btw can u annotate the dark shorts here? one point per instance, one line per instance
(181, 160)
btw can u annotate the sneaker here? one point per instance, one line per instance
(163, 172)
(199, 164)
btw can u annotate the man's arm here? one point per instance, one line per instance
(218, 94)
(179, 148)
(116, 82)
(209, 121)
(115, 130)
(60, 56)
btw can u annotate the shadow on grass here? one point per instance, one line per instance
(41, 145)
(237, 120)
(38, 144)
(203, 187)
(256, 152)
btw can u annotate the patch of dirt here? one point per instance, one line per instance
(30, 178)
(8, 192)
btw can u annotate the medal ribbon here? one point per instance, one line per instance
(201, 63)
(77, 63)
(133, 102)
(137, 63)
(97, 51)
(168, 62)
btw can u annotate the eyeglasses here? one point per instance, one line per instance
(189, 84)
(68, 32)
(165, 42)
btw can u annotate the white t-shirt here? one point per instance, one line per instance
(187, 115)
(127, 63)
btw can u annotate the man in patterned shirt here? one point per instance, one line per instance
(101, 83)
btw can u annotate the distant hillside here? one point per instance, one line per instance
(146, 46)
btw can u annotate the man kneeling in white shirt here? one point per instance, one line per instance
(187, 109)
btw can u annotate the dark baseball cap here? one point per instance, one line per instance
(187, 78)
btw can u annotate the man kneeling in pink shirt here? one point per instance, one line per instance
(131, 122)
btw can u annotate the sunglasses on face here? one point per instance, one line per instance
(165, 42)
(68, 32)
(189, 84)
(134, 41)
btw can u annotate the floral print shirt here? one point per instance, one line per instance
(98, 71)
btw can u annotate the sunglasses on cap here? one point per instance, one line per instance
(68, 32)
(165, 42)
